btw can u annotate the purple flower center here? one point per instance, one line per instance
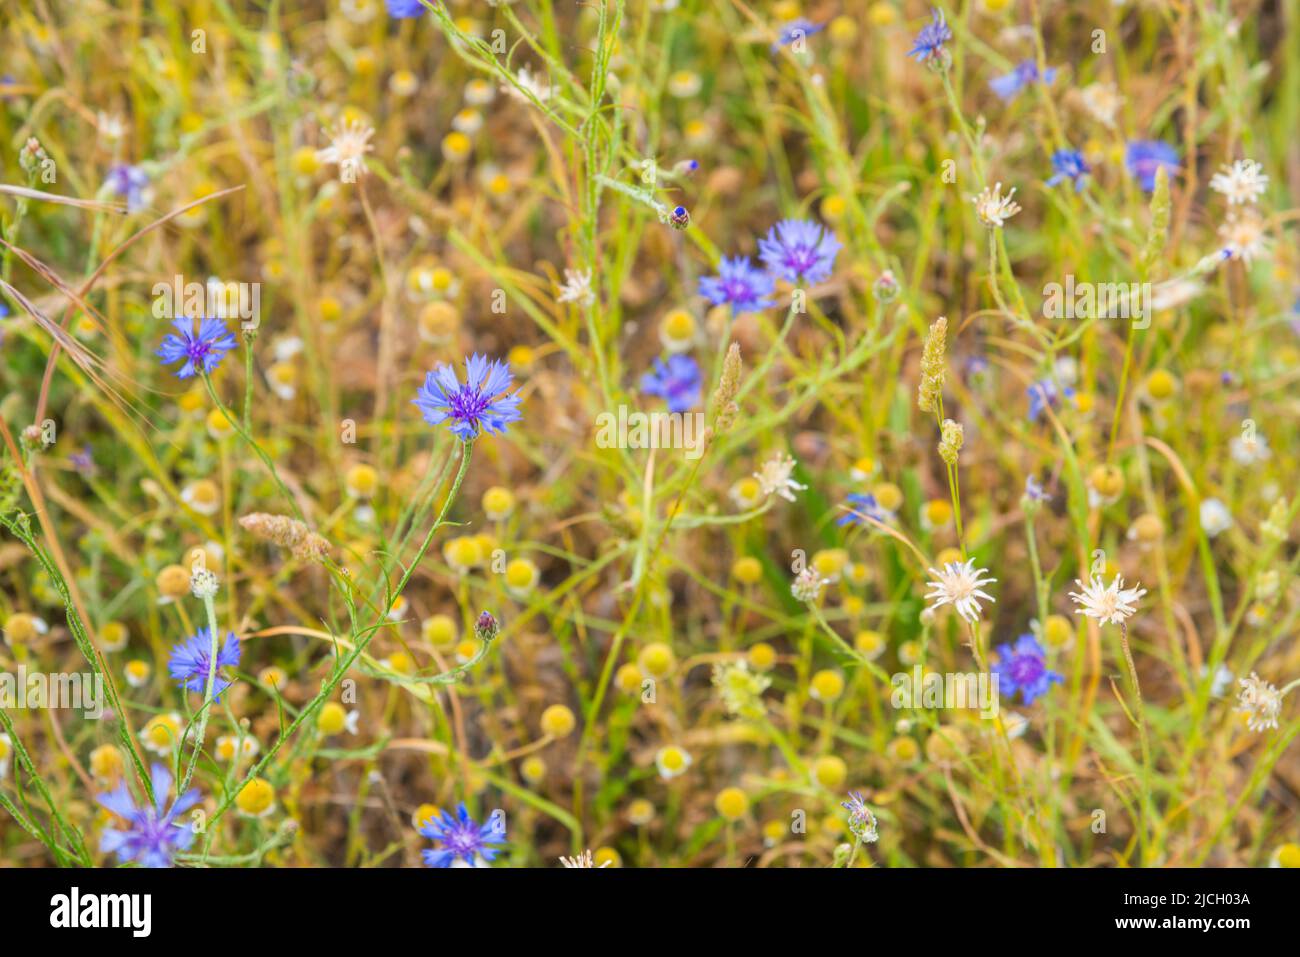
(1025, 670)
(468, 404)
(462, 840)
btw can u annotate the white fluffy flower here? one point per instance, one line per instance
(1215, 517)
(775, 477)
(528, 84)
(1113, 603)
(1242, 182)
(349, 144)
(807, 585)
(993, 208)
(959, 584)
(1260, 701)
(576, 288)
(1244, 237)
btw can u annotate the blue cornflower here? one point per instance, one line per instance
(1034, 490)
(480, 405)
(1009, 85)
(1069, 164)
(152, 834)
(191, 659)
(1044, 393)
(799, 247)
(792, 30)
(863, 504)
(404, 9)
(1144, 157)
(740, 284)
(1023, 668)
(130, 182)
(203, 352)
(464, 842)
(929, 42)
(677, 381)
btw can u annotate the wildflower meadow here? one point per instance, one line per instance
(649, 434)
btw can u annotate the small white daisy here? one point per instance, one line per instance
(538, 87)
(576, 288)
(960, 584)
(1242, 182)
(1260, 701)
(1247, 450)
(993, 208)
(1215, 517)
(775, 477)
(349, 144)
(1113, 603)
(1102, 102)
(1244, 237)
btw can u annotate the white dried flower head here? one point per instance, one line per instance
(581, 860)
(1107, 603)
(1101, 101)
(204, 584)
(576, 288)
(1242, 182)
(960, 584)
(1215, 517)
(994, 209)
(1249, 449)
(807, 585)
(775, 477)
(1244, 236)
(349, 144)
(1260, 701)
(528, 84)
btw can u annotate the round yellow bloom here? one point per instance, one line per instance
(1161, 385)
(203, 496)
(833, 208)
(440, 630)
(1147, 529)
(1108, 481)
(332, 718)
(439, 321)
(909, 652)
(606, 857)
(829, 563)
(456, 147)
(106, 763)
(558, 721)
(498, 503)
(936, 513)
(672, 761)
(219, 424)
(762, 656)
(21, 628)
(628, 678)
(843, 31)
(1058, 631)
(882, 14)
(903, 750)
(113, 636)
(657, 660)
(137, 672)
(533, 769)
(256, 798)
(424, 814)
(826, 685)
(888, 496)
(640, 812)
(731, 803)
(521, 577)
(173, 581)
(677, 330)
(329, 309)
(747, 570)
(948, 555)
(463, 552)
(1288, 855)
(304, 161)
(162, 733)
(273, 676)
(870, 643)
(830, 772)
(361, 481)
